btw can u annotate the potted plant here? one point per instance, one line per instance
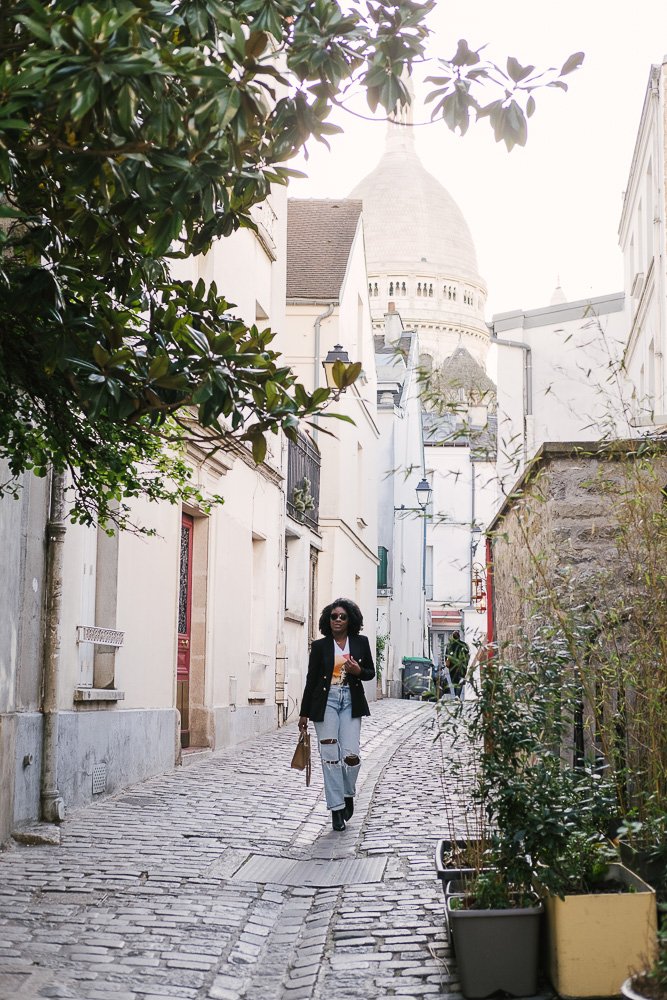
(651, 983)
(302, 499)
(601, 921)
(461, 851)
(492, 910)
(643, 845)
(547, 819)
(458, 858)
(491, 916)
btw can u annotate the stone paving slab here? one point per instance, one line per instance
(139, 901)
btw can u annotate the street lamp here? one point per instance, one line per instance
(424, 492)
(478, 588)
(332, 358)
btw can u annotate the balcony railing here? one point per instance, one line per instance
(303, 481)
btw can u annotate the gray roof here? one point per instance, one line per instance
(453, 430)
(320, 233)
(460, 379)
(401, 346)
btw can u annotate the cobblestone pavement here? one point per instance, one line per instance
(147, 896)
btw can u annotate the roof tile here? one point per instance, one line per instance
(320, 233)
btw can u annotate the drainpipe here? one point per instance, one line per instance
(317, 360)
(473, 514)
(53, 805)
(527, 383)
(490, 600)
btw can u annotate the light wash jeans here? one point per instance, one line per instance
(340, 778)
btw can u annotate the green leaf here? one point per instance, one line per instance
(159, 367)
(258, 448)
(35, 28)
(351, 374)
(572, 63)
(516, 71)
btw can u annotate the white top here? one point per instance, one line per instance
(338, 676)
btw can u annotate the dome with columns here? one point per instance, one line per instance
(420, 254)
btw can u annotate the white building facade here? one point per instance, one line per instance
(327, 305)
(401, 583)
(421, 259)
(559, 377)
(642, 238)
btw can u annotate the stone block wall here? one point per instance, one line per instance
(585, 526)
(562, 522)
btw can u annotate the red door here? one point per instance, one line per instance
(184, 617)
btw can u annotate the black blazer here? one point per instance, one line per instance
(320, 671)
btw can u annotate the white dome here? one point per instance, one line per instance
(410, 218)
(420, 254)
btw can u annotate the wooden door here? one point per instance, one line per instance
(184, 628)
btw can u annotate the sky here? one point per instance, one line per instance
(548, 212)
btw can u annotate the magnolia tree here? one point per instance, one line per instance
(136, 131)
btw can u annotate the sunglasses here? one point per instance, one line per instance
(335, 617)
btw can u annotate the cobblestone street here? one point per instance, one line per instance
(210, 882)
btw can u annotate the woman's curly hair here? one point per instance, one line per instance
(355, 619)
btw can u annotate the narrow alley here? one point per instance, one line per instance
(223, 880)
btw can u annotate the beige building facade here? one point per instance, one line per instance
(327, 305)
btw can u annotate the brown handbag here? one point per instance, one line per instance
(301, 758)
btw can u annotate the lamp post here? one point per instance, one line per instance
(424, 492)
(333, 357)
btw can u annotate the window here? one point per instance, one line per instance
(383, 556)
(428, 573)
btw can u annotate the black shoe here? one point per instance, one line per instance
(338, 819)
(348, 811)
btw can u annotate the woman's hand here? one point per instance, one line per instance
(303, 723)
(352, 667)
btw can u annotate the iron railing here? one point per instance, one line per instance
(303, 481)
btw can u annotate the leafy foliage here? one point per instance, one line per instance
(464, 83)
(652, 982)
(544, 818)
(136, 131)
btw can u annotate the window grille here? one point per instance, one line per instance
(303, 462)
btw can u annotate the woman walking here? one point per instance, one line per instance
(335, 700)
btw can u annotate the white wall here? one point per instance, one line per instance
(401, 467)
(567, 385)
(642, 240)
(349, 470)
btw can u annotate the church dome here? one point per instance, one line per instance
(409, 217)
(420, 254)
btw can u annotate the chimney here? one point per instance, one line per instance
(393, 326)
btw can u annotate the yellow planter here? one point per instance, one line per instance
(595, 941)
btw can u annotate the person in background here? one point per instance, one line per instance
(457, 655)
(335, 700)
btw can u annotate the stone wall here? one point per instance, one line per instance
(561, 521)
(586, 529)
